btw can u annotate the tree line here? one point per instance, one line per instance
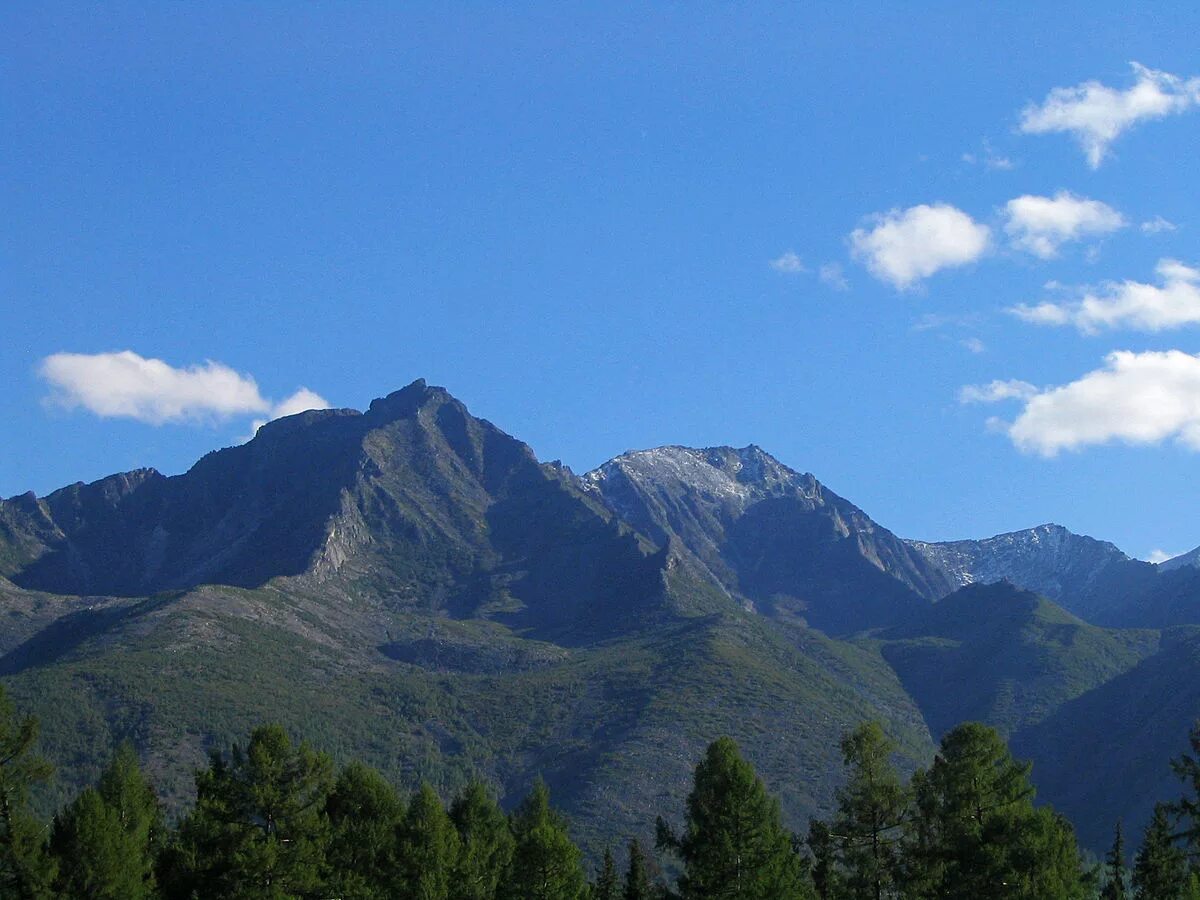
(275, 820)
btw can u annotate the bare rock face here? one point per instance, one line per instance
(1184, 560)
(1084, 575)
(776, 537)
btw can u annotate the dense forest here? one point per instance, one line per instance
(276, 819)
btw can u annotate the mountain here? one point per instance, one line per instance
(410, 586)
(1083, 575)
(1191, 558)
(778, 541)
(1012, 656)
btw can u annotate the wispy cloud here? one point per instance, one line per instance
(831, 275)
(1135, 398)
(1096, 115)
(1157, 225)
(1172, 303)
(126, 385)
(1041, 225)
(788, 263)
(996, 392)
(903, 247)
(989, 159)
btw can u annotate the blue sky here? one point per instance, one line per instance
(896, 247)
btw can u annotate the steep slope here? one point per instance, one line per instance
(1106, 755)
(1083, 575)
(1001, 655)
(777, 539)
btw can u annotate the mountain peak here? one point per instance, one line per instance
(409, 400)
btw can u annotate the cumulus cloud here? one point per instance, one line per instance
(831, 275)
(1172, 303)
(1135, 398)
(1160, 556)
(789, 263)
(126, 385)
(996, 391)
(1040, 225)
(903, 247)
(1096, 115)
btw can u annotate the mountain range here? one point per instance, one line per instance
(411, 586)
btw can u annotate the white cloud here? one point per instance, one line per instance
(1136, 398)
(831, 275)
(788, 263)
(301, 401)
(1173, 303)
(905, 246)
(1096, 115)
(1160, 556)
(990, 159)
(975, 345)
(1158, 225)
(1040, 225)
(996, 391)
(126, 385)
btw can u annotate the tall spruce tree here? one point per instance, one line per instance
(428, 851)
(1114, 868)
(606, 886)
(259, 828)
(733, 844)
(872, 807)
(1160, 870)
(823, 869)
(638, 883)
(27, 870)
(365, 813)
(107, 841)
(546, 865)
(487, 844)
(976, 832)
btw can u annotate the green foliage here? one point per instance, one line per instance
(546, 864)
(26, 869)
(872, 807)
(606, 886)
(638, 884)
(429, 849)
(1114, 871)
(1160, 868)
(259, 829)
(976, 832)
(108, 840)
(365, 814)
(486, 844)
(734, 844)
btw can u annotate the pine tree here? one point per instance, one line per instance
(1114, 872)
(976, 832)
(872, 807)
(428, 849)
(106, 842)
(27, 870)
(825, 878)
(605, 887)
(259, 828)
(365, 814)
(1160, 868)
(487, 844)
(638, 884)
(545, 864)
(734, 844)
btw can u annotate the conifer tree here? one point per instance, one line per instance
(428, 849)
(825, 879)
(606, 886)
(487, 844)
(1114, 868)
(365, 814)
(27, 870)
(259, 828)
(733, 844)
(976, 832)
(106, 842)
(1160, 868)
(546, 864)
(638, 883)
(872, 807)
